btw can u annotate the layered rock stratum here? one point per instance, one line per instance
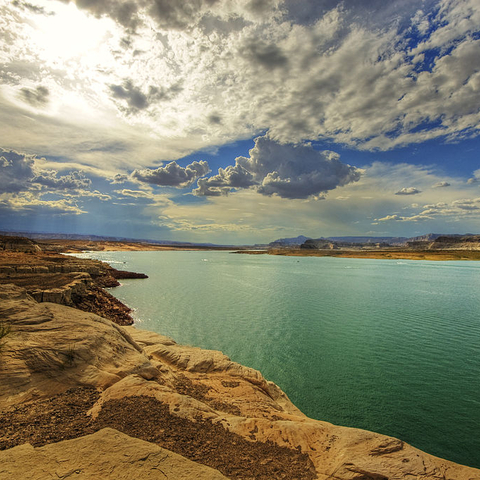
(82, 397)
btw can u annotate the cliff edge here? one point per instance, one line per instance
(80, 395)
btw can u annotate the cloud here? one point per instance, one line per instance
(172, 175)
(268, 55)
(134, 97)
(137, 100)
(134, 193)
(441, 185)
(16, 170)
(119, 178)
(408, 191)
(308, 70)
(389, 218)
(27, 203)
(74, 180)
(33, 8)
(289, 171)
(37, 97)
(19, 173)
(475, 179)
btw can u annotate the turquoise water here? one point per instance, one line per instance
(389, 346)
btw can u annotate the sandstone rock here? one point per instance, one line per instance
(40, 269)
(5, 270)
(24, 269)
(107, 454)
(54, 347)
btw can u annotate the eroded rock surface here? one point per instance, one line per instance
(107, 454)
(195, 402)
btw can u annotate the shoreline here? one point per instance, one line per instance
(431, 255)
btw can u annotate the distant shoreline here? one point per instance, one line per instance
(438, 255)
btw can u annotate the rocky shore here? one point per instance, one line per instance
(62, 279)
(84, 397)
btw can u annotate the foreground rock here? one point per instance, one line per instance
(127, 458)
(66, 374)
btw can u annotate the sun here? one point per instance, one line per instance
(67, 33)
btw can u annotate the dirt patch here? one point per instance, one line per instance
(58, 418)
(64, 417)
(198, 391)
(204, 442)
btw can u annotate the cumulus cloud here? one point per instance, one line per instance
(19, 173)
(119, 178)
(461, 208)
(441, 185)
(475, 179)
(16, 171)
(389, 218)
(26, 203)
(408, 191)
(173, 175)
(289, 171)
(50, 179)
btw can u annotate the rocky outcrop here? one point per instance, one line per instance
(18, 244)
(127, 458)
(194, 402)
(68, 281)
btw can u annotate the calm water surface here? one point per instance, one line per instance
(389, 346)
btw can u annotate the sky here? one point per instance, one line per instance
(240, 121)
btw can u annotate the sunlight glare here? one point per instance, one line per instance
(70, 33)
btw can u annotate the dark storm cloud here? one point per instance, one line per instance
(172, 175)
(289, 171)
(37, 97)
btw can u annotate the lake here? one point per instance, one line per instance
(385, 345)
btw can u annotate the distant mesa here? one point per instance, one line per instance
(430, 241)
(288, 242)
